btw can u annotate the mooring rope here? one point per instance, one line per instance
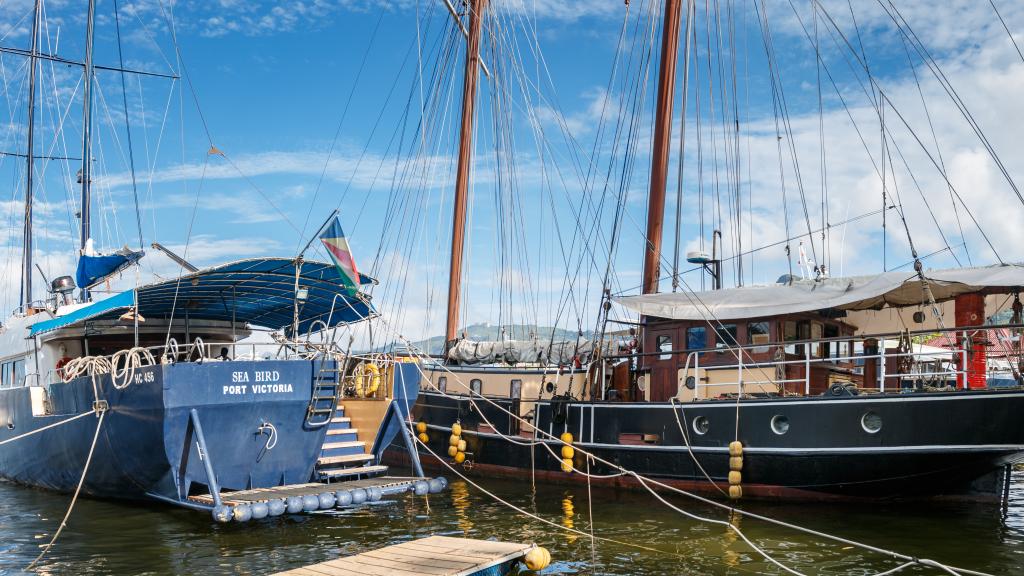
(910, 560)
(78, 489)
(48, 426)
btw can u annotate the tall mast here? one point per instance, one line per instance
(26, 272)
(86, 222)
(661, 144)
(469, 85)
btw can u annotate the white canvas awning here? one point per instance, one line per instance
(861, 293)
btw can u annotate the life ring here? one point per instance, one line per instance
(367, 379)
(60, 366)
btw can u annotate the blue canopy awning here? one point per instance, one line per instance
(258, 291)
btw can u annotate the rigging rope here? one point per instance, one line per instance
(644, 481)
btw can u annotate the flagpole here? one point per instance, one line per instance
(317, 233)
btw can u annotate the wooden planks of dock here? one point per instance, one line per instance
(385, 483)
(432, 556)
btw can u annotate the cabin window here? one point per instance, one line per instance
(818, 349)
(442, 383)
(5, 376)
(701, 425)
(758, 334)
(803, 332)
(696, 338)
(780, 424)
(871, 422)
(18, 373)
(726, 336)
(830, 349)
(845, 350)
(789, 334)
(664, 344)
(475, 386)
(515, 388)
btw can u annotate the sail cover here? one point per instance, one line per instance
(95, 269)
(559, 352)
(890, 289)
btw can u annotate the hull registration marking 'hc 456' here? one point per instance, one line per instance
(262, 382)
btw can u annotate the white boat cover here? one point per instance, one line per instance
(520, 352)
(890, 289)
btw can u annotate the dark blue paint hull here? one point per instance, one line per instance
(147, 446)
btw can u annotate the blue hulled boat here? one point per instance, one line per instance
(210, 414)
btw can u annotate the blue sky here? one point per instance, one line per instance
(273, 80)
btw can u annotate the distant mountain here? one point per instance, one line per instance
(486, 331)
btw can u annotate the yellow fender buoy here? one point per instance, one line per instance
(735, 492)
(452, 451)
(421, 427)
(566, 464)
(462, 446)
(460, 457)
(567, 437)
(735, 478)
(454, 440)
(456, 429)
(735, 448)
(736, 463)
(537, 558)
(424, 438)
(568, 452)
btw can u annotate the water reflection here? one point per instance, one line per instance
(567, 513)
(114, 538)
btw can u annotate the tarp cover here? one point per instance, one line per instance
(890, 289)
(95, 269)
(520, 352)
(259, 291)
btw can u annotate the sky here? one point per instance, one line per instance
(354, 105)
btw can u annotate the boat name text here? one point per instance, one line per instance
(266, 383)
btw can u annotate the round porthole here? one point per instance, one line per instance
(550, 387)
(690, 382)
(871, 422)
(780, 424)
(701, 425)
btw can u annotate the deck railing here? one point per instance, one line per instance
(742, 384)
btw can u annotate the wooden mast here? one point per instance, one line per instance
(660, 146)
(469, 87)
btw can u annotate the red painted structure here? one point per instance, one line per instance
(970, 311)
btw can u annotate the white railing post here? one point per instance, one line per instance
(881, 368)
(963, 361)
(739, 380)
(807, 369)
(696, 375)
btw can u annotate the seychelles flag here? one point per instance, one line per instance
(337, 246)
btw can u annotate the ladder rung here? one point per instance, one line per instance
(342, 431)
(340, 420)
(345, 459)
(339, 472)
(335, 445)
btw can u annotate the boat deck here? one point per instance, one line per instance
(387, 484)
(432, 556)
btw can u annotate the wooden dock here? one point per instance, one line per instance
(433, 556)
(387, 484)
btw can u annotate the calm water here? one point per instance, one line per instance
(114, 538)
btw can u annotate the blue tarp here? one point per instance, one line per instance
(94, 269)
(258, 291)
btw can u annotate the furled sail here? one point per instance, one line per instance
(95, 268)
(521, 352)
